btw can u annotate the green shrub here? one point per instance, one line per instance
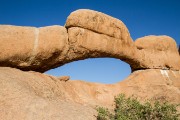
(103, 113)
(131, 109)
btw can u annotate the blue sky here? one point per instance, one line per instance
(142, 17)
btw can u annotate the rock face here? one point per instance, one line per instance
(153, 84)
(100, 23)
(64, 78)
(154, 60)
(158, 51)
(32, 95)
(30, 48)
(88, 34)
(88, 44)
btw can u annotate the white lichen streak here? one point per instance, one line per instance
(36, 36)
(166, 76)
(36, 40)
(164, 73)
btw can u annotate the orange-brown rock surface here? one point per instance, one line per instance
(30, 48)
(88, 34)
(32, 95)
(98, 22)
(158, 51)
(154, 60)
(105, 36)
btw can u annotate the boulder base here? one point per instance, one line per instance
(32, 95)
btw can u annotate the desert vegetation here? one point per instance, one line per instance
(132, 109)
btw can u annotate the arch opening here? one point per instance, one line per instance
(99, 70)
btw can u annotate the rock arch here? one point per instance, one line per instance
(87, 34)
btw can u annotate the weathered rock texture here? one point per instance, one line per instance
(154, 60)
(100, 23)
(30, 48)
(64, 78)
(88, 44)
(36, 96)
(88, 34)
(158, 52)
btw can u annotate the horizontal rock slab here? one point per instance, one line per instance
(30, 48)
(157, 55)
(158, 52)
(17, 44)
(88, 44)
(98, 22)
(156, 43)
(88, 34)
(52, 47)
